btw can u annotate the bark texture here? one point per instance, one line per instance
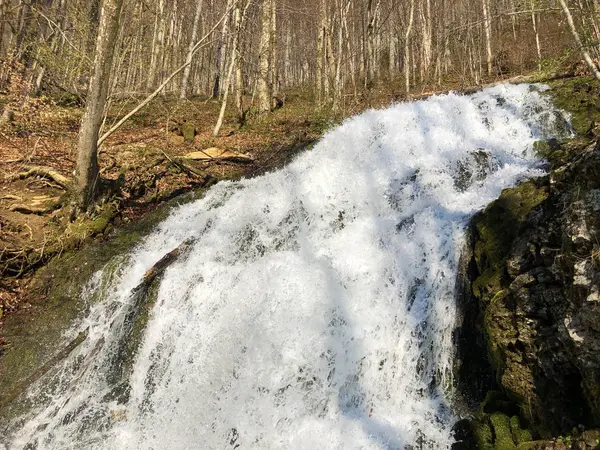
(87, 173)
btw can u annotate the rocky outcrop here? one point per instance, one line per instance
(535, 278)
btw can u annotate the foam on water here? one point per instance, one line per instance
(315, 308)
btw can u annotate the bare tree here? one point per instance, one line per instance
(233, 63)
(487, 26)
(190, 53)
(411, 18)
(87, 173)
(265, 87)
(586, 56)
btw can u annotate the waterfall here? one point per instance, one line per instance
(313, 307)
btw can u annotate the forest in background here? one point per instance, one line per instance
(256, 50)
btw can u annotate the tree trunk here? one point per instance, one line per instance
(190, 52)
(232, 65)
(86, 173)
(427, 38)
(371, 19)
(221, 55)
(321, 53)
(157, 45)
(487, 26)
(264, 88)
(586, 56)
(273, 62)
(407, 46)
(534, 23)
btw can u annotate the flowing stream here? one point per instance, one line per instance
(312, 308)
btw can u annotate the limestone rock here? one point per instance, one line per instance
(536, 280)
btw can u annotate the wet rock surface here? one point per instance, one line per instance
(534, 304)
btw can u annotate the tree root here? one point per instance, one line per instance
(11, 197)
(43, 172)
(24, 209)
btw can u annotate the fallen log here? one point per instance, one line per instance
(218, 154)
(189, 169)
(159, 268)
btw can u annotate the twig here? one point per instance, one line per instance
(30, 231)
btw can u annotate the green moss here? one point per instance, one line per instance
(542, 148)
(86, 227)
(528, 446)
(501, 430)
(579, 97)
(519, 434)
(496, 229)
(37, 333)
(483, 435)
(188, 130)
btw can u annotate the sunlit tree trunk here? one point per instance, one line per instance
(321, 52)
(233, 62)
(586, 56)
(426, 36)
(534, 23)
(265, 89)
(487, 26)
(190, 52)
(273, 57)
(157, 45)
(407, 58)
(87, 173)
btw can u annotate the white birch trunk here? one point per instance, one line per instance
(407, 58)
(487, 26)
(190, 52)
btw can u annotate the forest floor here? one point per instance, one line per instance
(142, 162)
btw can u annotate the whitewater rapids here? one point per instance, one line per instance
(315, 307)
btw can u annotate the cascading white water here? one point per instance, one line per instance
(315, 307)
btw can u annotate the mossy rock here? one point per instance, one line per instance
(519, 434)
(496, 228)
(496, 401)
(580, 98)
(483, 435)
(188, 131)
(528, 446)
(501, 429)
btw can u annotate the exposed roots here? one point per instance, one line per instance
(43, 172)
